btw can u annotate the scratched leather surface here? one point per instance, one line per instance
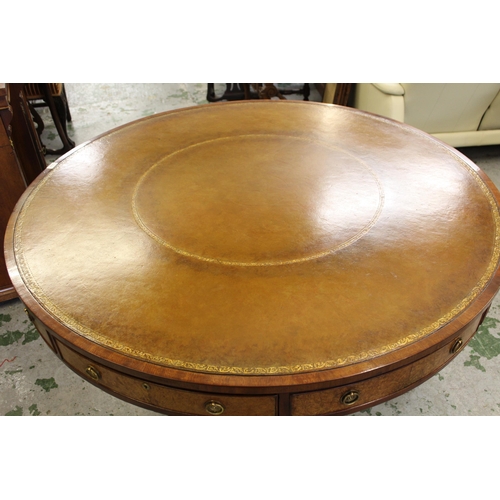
(264, 237)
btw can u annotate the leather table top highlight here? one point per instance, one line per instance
(258, 239)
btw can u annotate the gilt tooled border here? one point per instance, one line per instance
(143, 225)
(45, 302)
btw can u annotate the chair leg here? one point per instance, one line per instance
(37, 119)
(306, 90)
(66, 105)
(58, 111)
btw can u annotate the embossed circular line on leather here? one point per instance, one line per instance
(70, 322)
(150, 178)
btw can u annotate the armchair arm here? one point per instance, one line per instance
(386, 99)
(390, 88)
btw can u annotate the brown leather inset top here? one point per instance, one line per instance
(258, 238)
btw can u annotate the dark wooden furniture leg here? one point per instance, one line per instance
(37, 119)
(244, 91)
(233, 92)
(305, 91)
(58, 110)
(66, 105)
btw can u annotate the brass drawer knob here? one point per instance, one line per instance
(456, 346)
(214, 408)
(92, 373)
(349, 398)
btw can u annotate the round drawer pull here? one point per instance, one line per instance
(456, 346)
(350, 397)
(214, 408)
(146, 386)
(92, 373)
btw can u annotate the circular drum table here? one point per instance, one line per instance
(257, 258)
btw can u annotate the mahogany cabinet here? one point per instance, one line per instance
(21, 160)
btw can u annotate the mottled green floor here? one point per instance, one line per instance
(34, 382)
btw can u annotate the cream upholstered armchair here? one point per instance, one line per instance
(460, 114)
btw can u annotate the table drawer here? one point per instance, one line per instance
(349, 397)
(346, 397)
(165, 398)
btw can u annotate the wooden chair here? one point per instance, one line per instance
(244, 91)
(52, 95)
